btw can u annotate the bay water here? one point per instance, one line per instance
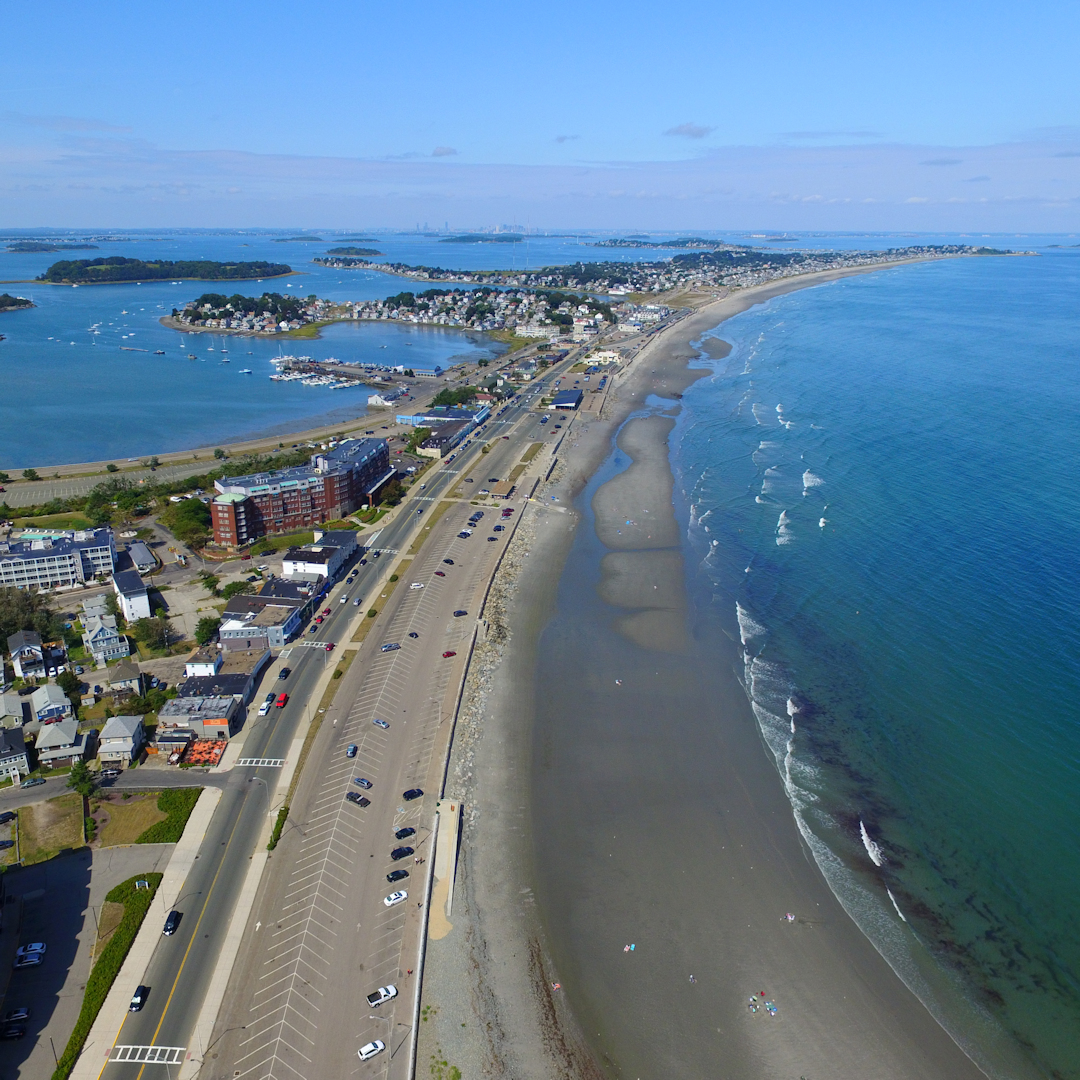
(879, 491)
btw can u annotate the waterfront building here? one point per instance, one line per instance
(567, 400)
(439, 414)
(207, 717)
(322, 559)
(445, 437)
(336, 483)
(57, 559)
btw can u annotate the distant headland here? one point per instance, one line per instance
(117, 270)
(24, 247)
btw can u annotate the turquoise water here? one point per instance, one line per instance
(880, 487)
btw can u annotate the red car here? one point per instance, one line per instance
(329, 646)
(439, 573)
(282, 701)
(326, 611)
(318, 620)
(448, 654)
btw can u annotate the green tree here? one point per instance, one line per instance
(81, 779)
(21, 609)
(153, 633)
(30, 474)
(219, 454)
(111, 467)
(211, 581)
(4, 478)
(417, 438)
(235, 587)
(69, 682)
(205, 629)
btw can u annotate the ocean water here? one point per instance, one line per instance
(879, 486)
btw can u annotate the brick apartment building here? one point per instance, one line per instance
(336, 483)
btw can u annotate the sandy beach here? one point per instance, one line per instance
(617, 792)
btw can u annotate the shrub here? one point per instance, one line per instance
(178, 804)
(136, 904)
(372, 613)
(275, 836)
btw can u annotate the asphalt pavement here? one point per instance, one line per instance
(182, 965)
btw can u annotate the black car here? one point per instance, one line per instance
(449, 562)
(459, 614)
(413, 634)
(284, 673)
(356, 797)
(492, 539)
(412, 793)
(171, 923)
(138, 999)
(464, 535)
(401, 853)
(6, 816)
(14, 1015)
(12, 1031)
(397, 875)
(493, 479)
(401, 834)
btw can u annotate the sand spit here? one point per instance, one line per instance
(499, 985)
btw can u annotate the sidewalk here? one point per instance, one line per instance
(111, 1017)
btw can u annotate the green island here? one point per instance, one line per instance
(14, 303)
(28, 246)
(299, 240)
(118, 269)
(211, 306)
(358, 251)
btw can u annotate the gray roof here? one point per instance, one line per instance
(22, 639)
(121, 727)
(49, 693)
(58, 735)
(12, 742)
(141, 555)
(198, 686)
(125, 671)
(128, 582)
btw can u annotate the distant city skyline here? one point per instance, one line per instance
(937, 117)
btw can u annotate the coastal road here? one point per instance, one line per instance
(180, 970)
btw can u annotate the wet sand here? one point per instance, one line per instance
(618, 793)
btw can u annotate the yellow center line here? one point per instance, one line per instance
(187, 951)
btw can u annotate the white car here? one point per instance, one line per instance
(26, 950)
(395, 898)
(384, 993)
(264, 708)
(417, 585)
(376, 1046)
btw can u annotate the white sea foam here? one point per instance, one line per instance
(792, 710)
(748, 627)
(896, 905)
(873, 849)
(809, 480)
(822, 523)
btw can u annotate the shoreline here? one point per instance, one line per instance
(492, 979)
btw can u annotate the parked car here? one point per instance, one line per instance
(401, 853)
(30, 960)
(282, 701)
(397, 875)
(34, 781)
(412, 793)
(172, 923)
(449, 652)
(384, 993)
(404, 832)
(417, 585)
(14, 1015)
(12, 1031)
(284, 673)
(390, 646)
(464, 534)
(395, 898)
(363, 782)
(449, 562)
(439, 573)
(29, 950)
(6, 844)
(459, 614)
(356, 797)
(499, 528)
(369, 1050)
(312, 629)
(381, 723)
(350, 750)
(6, 816)
(138, 999)
(413, 634)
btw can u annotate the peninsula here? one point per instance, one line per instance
(26, 247)
(116, 269)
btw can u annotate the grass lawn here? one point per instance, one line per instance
(71, 520)
(280, 543)
(129, 820)
(47, 828)
(531, 453)
(108, 920)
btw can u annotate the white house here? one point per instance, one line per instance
(121, 739)
(134, 599)
(203, 661)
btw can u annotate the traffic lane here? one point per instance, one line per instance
(207, 900)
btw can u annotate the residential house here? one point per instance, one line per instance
(205, 660)
(14, 710)
(13, 761)
(235, 676)
(103, 641)
(142, 557)
(48, 704)
(27, 655)
(121, 740)
(132, 594)
(125, 676)
(60, 744)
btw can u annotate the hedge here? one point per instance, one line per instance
(275, 836)
(178, 804)
(136, 904)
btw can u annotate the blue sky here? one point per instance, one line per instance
(615, 115)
